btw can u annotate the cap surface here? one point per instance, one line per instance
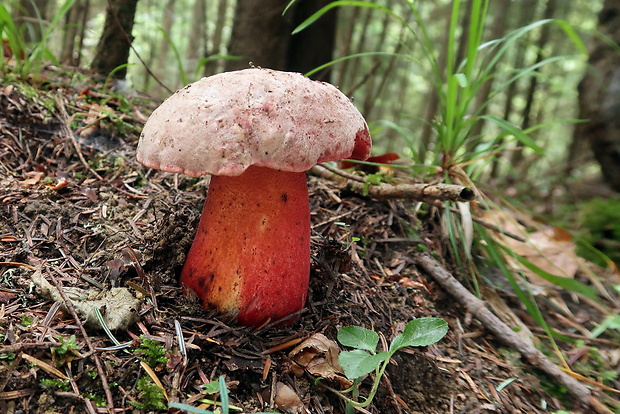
(224, 123)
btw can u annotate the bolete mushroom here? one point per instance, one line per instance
(256, 131)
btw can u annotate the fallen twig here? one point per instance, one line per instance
(422, 192)
(22, 346)
(504, 333)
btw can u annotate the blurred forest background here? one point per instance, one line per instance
(397, 59)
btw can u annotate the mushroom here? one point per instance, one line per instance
(256, 131)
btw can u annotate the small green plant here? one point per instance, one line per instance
(373, 179)
(64, 352)
(97, 399)
(9, 356)
(364, 358)
(611, 322)
(57, 384)
(151, 352)
(26, 320)
(151, 396)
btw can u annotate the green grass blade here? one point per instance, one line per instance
(353, 56)
(224, 394)
(563, 282)
(203, 62)
(334, 4)
(36, 56)
(515, 131)
(572, 36)
(188, 408)
(177, 56)
(9, 31)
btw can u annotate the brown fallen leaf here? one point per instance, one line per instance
(287, 400)
(549, 248)
(319, 356)
(33, 178)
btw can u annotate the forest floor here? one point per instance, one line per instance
(81, 219)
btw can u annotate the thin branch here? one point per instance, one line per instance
(504, 333)
(422, 192)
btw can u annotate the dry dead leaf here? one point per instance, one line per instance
(319, 356)
(33, 178)
(286, 399)
(548, 248)
(408, 283)
(548, 253)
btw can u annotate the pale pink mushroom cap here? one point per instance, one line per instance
(222, 124)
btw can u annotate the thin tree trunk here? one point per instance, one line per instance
(73, 22)
(82, 35)
(372, 94)
(525, 16)
(196, 47)
(498, 29)
(163, 58)
(371, 90)
(464, 38)
(115, 43)
(517, 155)
(214, 66)
(433, 97)
(347, 43)
(361, 41)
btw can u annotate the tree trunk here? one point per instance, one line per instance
(82, 35)
(599, 97)
(352, 77)
(346, 46)
(73, 32)
(260, 35)
(313, 46)
(115, 42)
(432, 100)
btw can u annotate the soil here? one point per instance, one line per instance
(77, 207)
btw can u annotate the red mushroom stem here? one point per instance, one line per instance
(251, 255)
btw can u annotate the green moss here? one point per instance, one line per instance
(151, 352)
(151, 396)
